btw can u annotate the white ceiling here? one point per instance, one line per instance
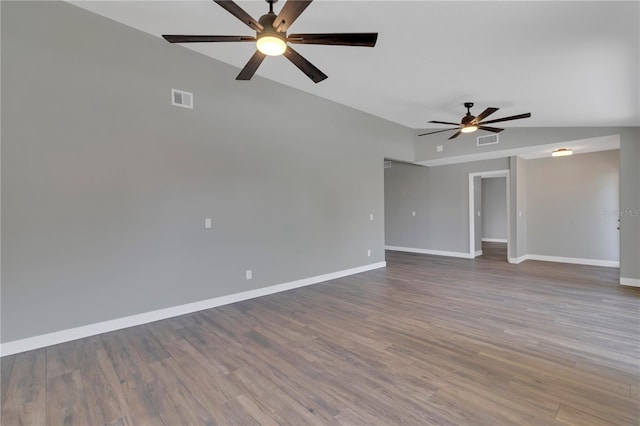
(568, 63)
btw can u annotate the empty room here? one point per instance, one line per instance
(322, 212)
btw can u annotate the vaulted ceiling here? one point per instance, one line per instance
(572, 63)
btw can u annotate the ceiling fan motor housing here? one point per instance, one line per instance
(467, 119)
(267, 22)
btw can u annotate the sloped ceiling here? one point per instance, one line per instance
(568, 63)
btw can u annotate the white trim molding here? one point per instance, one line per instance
(516, 260)
(631, 282)
(427, 251)
(574, 260)
(36, 342)
(472, 210)
(478, 253)
(494, 240)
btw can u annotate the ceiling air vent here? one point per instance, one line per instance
(181, 98)
(487, 140)
(387, 164)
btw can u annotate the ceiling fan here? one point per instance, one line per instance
(271, 37)
(470, 123)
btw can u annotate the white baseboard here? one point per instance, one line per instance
(36, 342)
(516, 260)
(478, 253)
(426, 251)
(631, 282)
(574, 260)
(494, 240)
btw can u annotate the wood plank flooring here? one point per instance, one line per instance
(494, 251)
(426, 341)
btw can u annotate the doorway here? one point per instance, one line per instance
(495, 244)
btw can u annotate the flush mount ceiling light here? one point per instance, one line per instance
(562, 152)
(272, 39)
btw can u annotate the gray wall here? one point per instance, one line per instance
(406, 190)
(569, 200)
(105, 185)
(516, 221)
(560, 206)
(630, 205)
(494, 208)
(477, 215)
(449, 186)
(399, 148)
(520, 213)
(440, 197)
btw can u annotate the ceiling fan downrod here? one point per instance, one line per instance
(271, 2)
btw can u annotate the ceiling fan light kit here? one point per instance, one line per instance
(271, 37)
(271, 45)
(471, 123)
(269, 41)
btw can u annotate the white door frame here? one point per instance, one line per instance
(472, 225)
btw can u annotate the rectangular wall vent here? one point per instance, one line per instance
(387, 164)
(181, 98)
(487, 140)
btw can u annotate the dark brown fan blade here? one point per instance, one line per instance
(252, 66)
(513, 117)
(289, 13)
(490, 129)
(337, 39)
(444, 122)
(487, 112)
(205, 38)
(458, 133)
(437, 131)
(305, 66)
(239, 13)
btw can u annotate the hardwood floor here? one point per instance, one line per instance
(426, 341)
(494, 251)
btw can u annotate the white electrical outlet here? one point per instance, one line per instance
(368, 253)
(207, 222)
(249, 274)
(478, 213)
(439, 148)
(371, 216)
(413, 213)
